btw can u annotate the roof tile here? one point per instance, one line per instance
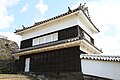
(100, 57)
(81, 7)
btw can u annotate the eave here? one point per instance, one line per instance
(57, 45)
(49, 48)
(47, 21)
(89, 21)
(89, 48)
(69, 13)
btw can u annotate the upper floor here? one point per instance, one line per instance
(72, 24)
(68, 33)
(78, 16)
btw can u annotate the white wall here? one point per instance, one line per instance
(107, 69)
(58, 24)
(51, 27)
(84, 26)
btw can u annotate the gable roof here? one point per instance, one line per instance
(81, 7)
(100, 57)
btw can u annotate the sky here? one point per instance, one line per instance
(104, 14)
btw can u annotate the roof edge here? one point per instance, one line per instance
(81, 7)
(100, 57)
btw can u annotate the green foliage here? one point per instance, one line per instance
(7, 66)
(6, 70)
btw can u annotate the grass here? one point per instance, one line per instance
(15, 77)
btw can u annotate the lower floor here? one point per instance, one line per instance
(62, 60)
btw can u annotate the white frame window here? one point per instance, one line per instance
(41, 40)
(55, 37)
(45, 39)
(35, 41)
(48, 38)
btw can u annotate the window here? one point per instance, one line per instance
(35, 41)
(55, 36)
(42, 40)
(48, 38)
(45, 39)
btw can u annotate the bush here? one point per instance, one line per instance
(7, 66)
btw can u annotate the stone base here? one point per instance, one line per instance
(58, 76)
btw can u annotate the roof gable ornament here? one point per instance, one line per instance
(85, 9)
(23, 26)
(69, 10)
(81, 7)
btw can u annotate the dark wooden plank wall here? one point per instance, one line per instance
(20, 64)
(26, 43)
(68, 33)
(64, 60)
(81, 34)
(62, 34)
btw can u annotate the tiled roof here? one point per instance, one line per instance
(52, 44)
(48, 44)
(100, 57)
(81, 7)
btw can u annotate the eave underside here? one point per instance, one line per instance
(59, 45)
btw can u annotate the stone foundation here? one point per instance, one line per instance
(58, 76)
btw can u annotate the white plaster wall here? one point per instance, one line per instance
(105, 69)
(51, 27)
(58, 24)
(84, 26)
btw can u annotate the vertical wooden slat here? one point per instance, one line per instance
(68, 33)
(64, 60)
(26, 43)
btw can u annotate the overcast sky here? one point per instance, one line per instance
(105, 14)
